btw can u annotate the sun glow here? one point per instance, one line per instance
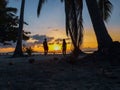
(56, 47)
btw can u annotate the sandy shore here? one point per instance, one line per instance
(53, 73)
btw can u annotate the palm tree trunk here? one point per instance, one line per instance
(77, 49)
(103, 38)
(75, 27)
(18, 50)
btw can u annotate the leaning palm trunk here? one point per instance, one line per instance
(103, 38)
(18, 50)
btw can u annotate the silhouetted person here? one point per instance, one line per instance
(45, 46)
(64, 47)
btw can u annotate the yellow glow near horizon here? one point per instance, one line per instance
(52, 48)
(6, 50)
(89, 40)
(56, 47)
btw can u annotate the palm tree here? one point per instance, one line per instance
(18, 50)
(103, 38)
(73, 10)
(74, 27)
(6, 12)
(9, 23)
(8, 20)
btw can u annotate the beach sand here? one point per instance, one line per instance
(52, 72)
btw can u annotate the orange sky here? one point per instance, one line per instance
(89, 40)
(54, 17)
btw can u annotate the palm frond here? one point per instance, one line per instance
(9, 9)
(67, 20)
(105, 8)
(62, 0)
(74, 27)
(40, 4)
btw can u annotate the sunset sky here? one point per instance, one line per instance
(51, 23)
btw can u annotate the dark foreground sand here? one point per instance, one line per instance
(56, 74)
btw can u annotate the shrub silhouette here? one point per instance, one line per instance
(29, 51)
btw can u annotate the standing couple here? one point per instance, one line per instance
(45, 46)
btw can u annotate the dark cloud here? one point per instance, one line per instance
(58, 40)
(40, 38)
(38, 42)
(67, 39)
(50, 43)
(61, 39)
(7, 44)
(28, 44)
(50, 39)
(56, 30)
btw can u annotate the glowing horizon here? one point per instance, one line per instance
(52, 24)
(89, 41)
